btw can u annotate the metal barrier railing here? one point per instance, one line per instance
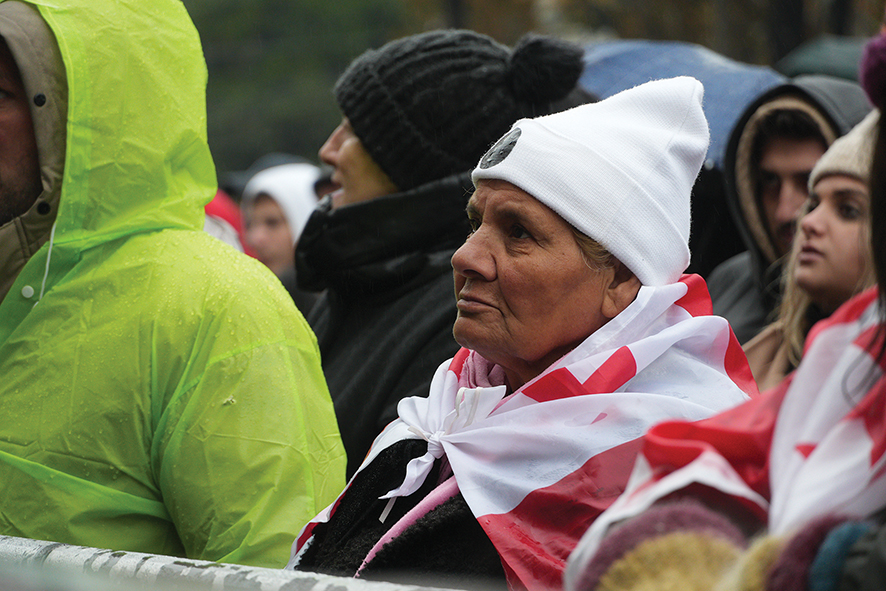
(36, 565)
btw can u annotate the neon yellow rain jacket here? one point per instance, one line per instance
(158, 391)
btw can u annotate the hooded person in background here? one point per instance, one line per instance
(418, 114)
(787, 491)
(276, 204)
(770, 154)
(830, 260)
(160, 393)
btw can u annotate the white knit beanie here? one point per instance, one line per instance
(621, 171)
(292, 187)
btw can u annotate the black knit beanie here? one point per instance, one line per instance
(430, 105)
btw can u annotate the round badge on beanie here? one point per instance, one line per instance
(428, 106)
(621, 171)
(501, 149)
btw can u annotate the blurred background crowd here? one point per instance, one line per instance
(272, 63)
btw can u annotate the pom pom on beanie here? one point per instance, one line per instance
(657, 523)
(621, 171)
(427, 106)
(791, 569)
(872, 71)
(542, 70)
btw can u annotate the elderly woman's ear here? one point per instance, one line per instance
(621, 290)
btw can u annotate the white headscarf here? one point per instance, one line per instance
(292, 187)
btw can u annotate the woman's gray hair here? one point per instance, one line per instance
(595, 255)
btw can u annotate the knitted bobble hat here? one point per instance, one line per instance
(872, 70)
(428, 106)
(621, 171)
(851, 154)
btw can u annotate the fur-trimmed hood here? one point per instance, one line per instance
(836, 105)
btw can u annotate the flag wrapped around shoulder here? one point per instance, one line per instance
(537, 466)
(812, 446)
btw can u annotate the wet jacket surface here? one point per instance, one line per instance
(745, 288)
(160, 393)
(385, 321)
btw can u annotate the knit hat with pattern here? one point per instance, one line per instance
(620, 171)
(427, 106)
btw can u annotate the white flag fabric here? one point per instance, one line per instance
(538, 465)
(810, 447)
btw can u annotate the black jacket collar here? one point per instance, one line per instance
(382, 243)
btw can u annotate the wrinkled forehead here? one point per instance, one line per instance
(487, 187)
(507, 201)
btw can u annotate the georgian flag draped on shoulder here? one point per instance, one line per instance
(537, 466)
(812, 446)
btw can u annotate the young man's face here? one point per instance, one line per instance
(19, 165)
(784, 168)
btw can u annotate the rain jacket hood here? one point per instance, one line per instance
(42, 71)
(835, 105)
(105, 153)
(160, 393)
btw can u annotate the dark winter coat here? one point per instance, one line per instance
(384, 323)
(444, 547)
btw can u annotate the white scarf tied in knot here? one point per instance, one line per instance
(518, 460)
(425, 420)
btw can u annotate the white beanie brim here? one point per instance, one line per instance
(620, 171)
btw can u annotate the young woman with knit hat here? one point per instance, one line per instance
(830, 259)
(417, 115)
(787, 491)
(578, 331)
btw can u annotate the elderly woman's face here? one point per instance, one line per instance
(525, 295)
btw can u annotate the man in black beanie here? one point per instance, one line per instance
(418, 115)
